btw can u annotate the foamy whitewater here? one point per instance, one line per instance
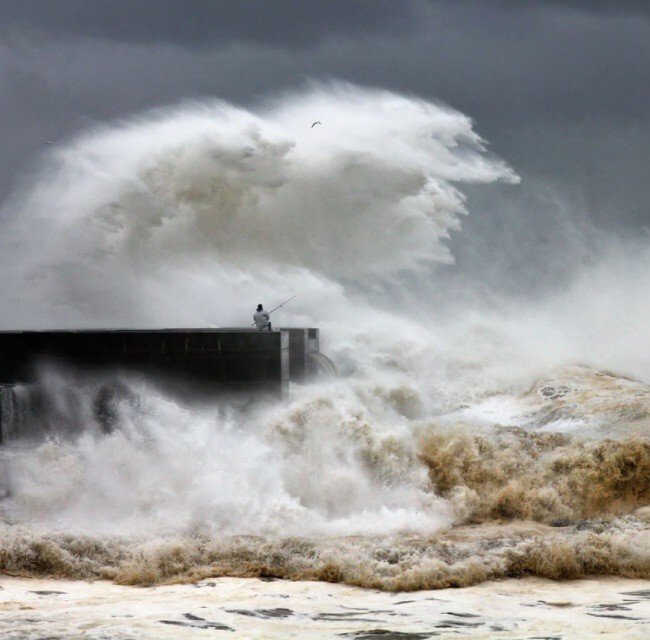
(469, 435)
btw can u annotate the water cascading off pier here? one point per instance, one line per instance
(198, 362)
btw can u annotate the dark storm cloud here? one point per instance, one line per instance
(602, 6)
(539, 59)
(286, 23)
(565, 60)
(559, 87)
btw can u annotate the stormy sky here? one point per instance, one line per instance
(560, 88)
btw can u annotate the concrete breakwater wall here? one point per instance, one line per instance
(211, 361)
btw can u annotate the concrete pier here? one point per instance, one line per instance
(302, 343)
(234, 358)
(207, 362)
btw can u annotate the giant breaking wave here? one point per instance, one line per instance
(469, 436)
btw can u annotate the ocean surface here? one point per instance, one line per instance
(469, 435)
(251, 608)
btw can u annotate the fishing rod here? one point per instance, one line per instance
(280, 305)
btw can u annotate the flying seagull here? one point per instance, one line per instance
(315, 123)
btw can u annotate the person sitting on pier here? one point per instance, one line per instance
(262, 319)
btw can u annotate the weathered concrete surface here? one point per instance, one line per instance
(235, 359)
(302, 343)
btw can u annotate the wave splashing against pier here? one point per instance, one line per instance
(195, 211)
(469, 435)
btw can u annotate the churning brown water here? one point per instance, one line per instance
(461, 442)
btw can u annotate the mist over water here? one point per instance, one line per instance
(183, 215)
(457, 403)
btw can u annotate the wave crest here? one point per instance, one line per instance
(546, 477)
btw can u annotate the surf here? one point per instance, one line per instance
(459, 436)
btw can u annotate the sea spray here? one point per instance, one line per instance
(465, 556)
(187, 214)
(452, 420)
(322, 465)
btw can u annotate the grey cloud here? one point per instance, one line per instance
(600, 6)
(558, 88)
(283, 23)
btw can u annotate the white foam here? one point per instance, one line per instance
(506, 609)
(194, 214)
